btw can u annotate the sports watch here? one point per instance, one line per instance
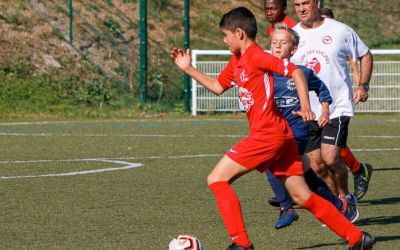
(366, 86)
(363, 85)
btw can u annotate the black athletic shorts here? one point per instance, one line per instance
(335, 133)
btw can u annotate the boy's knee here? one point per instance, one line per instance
(211, 178)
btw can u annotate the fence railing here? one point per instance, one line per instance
(384, 93)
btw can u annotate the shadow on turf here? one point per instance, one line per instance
(386, 169)
(377, 238)
(384, 201)
(381, 220)
(323, 245)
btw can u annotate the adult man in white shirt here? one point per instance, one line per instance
(325, 45)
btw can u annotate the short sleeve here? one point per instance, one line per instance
(227, 77)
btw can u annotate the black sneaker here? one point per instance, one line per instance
(274, 202)
(361, 180)
(366, 242)
(237, 247)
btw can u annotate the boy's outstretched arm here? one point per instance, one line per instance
(183, 61)
(302, 91)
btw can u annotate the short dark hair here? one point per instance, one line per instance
(242, 18)
(326, 12)
(283, 3)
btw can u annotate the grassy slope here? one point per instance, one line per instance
(34, 40)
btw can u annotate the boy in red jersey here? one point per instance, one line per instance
(270, 143)
(275, 11)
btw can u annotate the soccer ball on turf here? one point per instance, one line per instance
(185, 242)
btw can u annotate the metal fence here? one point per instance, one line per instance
(384, 93)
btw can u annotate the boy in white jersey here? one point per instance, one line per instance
(325, 45)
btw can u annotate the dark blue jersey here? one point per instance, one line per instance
(287, 100)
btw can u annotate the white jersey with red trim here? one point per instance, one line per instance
(325, 49)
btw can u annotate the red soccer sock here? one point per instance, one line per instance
(349, 159)
(330, 216)
(231, 213)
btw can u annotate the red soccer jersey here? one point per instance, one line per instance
(289, 22)
(252, 72)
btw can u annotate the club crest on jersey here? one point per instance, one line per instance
(243, 76)
(290, 84)
(314, 64)
(327, 39)
(246, 99)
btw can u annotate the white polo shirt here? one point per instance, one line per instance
(325, 49)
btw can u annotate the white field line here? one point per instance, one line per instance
(149, 120)
(380, 136)
(374, 149)
(128, 165)
(159, 135)
(129, 121)
(121, 135)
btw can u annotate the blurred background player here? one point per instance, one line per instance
(270, 143)
(361, 171)
(283, 43)
(275, 11)
(325, 45)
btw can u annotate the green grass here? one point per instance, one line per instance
(143, 208)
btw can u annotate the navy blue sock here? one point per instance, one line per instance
(281, 194)
(319, 186)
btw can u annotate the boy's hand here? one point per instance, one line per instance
(181, 59)
(323, 120)
(306, 115)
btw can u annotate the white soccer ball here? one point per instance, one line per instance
(185, 242)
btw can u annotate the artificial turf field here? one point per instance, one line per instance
(135, 184)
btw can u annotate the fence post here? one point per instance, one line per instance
(71, 18)
(143, 51)
(186, 45)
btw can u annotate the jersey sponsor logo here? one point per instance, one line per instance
(314, 64)
(246, 99)
(327, 39)
(331, 138)
(290, 84)
(243, 76)
(286, 101)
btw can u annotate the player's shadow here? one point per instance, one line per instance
(381, 220)
(377, 238)
(386, 169)
(324, 245)
(383, 201)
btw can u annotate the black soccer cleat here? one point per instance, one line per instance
(237, 247)
(361, 180)
(366, 242)
(274, 202)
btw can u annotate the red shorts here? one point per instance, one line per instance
(280, 156)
